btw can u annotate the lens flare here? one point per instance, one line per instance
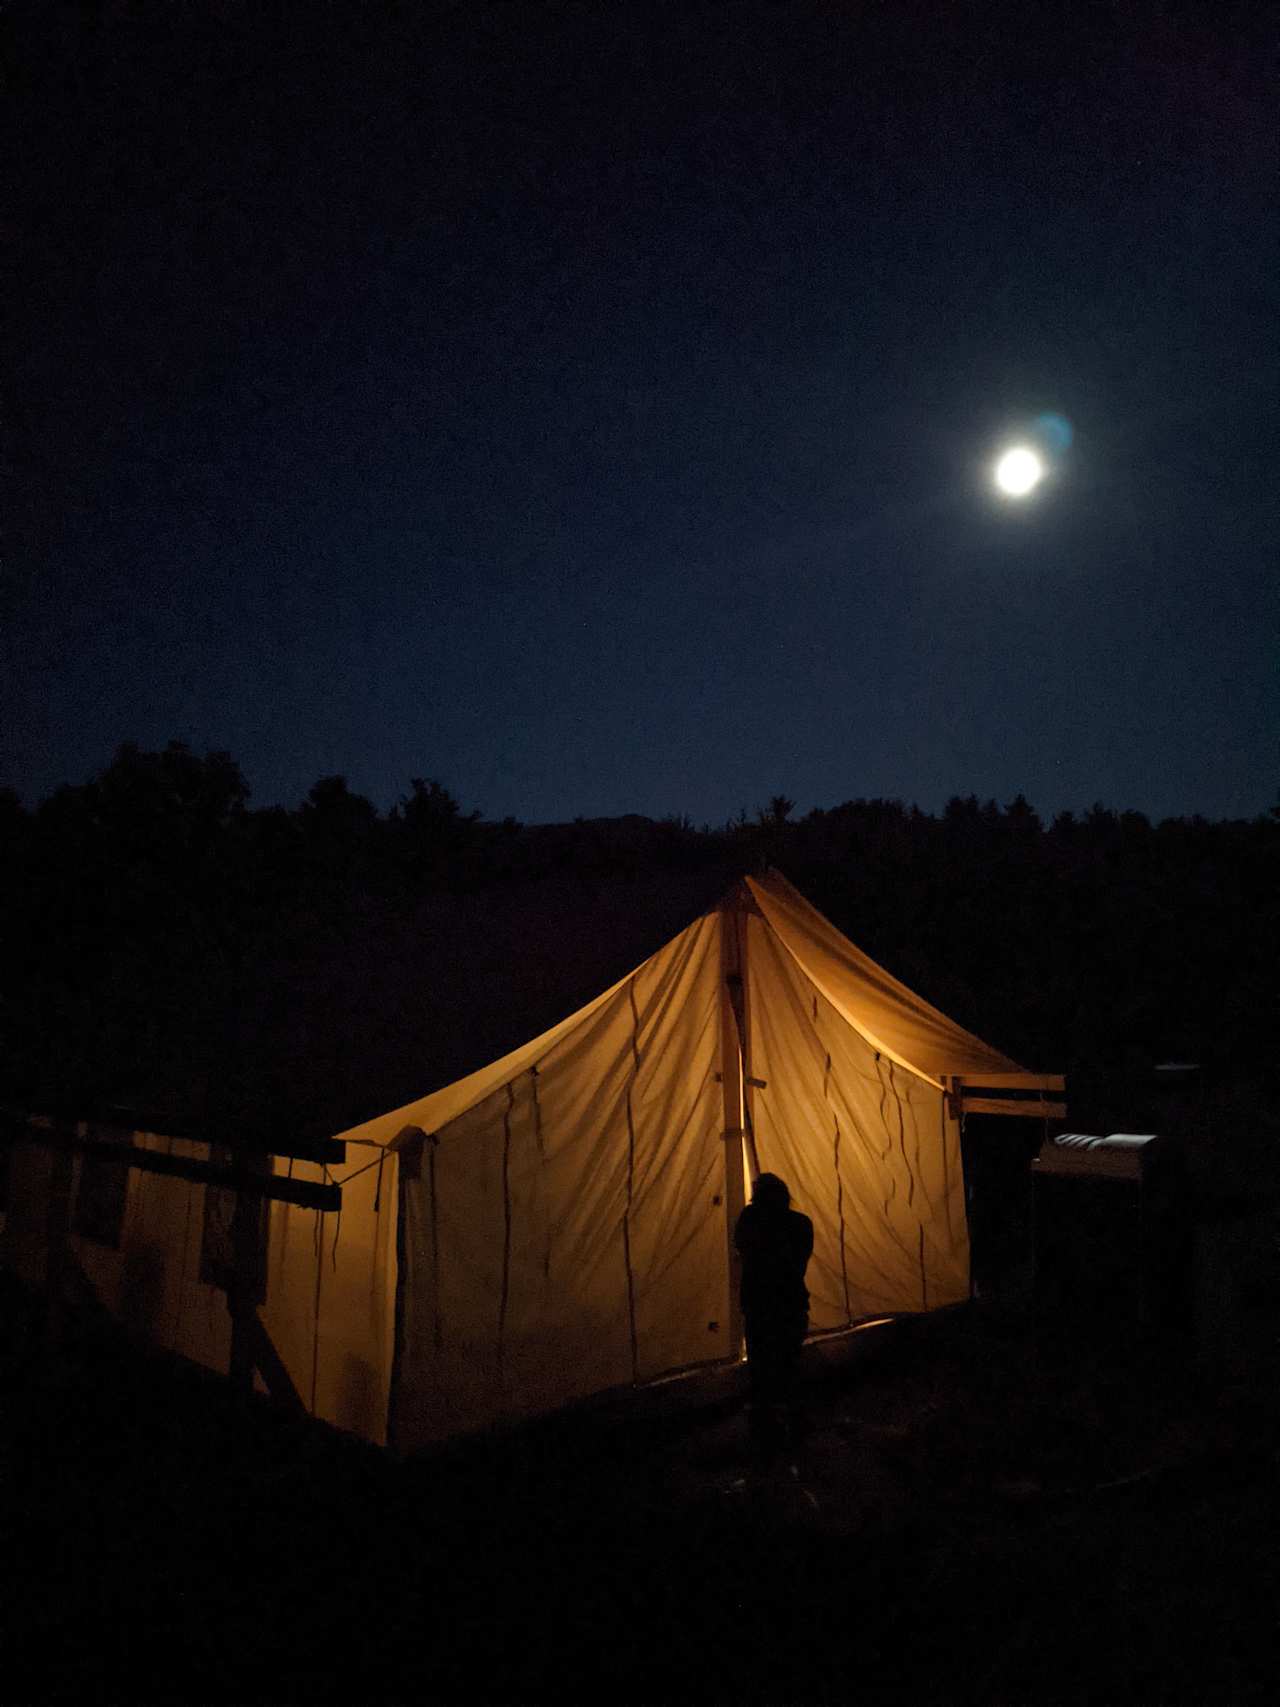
(1019, 471)
(1054, 432)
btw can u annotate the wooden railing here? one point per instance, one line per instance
(243, 1165)
(1026, 1096)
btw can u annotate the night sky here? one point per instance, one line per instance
(593, 406)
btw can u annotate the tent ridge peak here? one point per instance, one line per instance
(738, 898)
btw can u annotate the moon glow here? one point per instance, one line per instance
(1019, 471)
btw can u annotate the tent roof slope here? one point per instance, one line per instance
(432, 1112)
(891, 1017)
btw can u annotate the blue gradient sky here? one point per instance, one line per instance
(592, 407)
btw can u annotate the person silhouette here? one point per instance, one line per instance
(775, 1243)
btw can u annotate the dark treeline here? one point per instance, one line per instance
(167, 946)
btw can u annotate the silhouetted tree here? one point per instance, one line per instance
(435, 835)
(162, 940)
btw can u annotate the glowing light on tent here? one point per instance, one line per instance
(1019, 471)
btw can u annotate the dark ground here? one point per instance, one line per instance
(968, 1525)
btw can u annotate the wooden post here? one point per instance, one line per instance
(749, 1083)
(57, 1243)
(242, 1300)
(733, 970)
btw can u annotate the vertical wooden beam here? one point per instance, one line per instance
(240, 1370)
(749, 1081)
(62, 1163)
(731, 1075)
(246, 1235)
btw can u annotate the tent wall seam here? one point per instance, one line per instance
(835, 1117)
(924, 1274)
(868, 1037)
(437, 1322)
(902, 1142)
(542, 1160)
(631, 1184)
(505, 1298)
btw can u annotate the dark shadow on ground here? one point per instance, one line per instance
(967, 1519)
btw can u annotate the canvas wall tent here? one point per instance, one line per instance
(560, 1222)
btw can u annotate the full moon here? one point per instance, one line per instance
(1019, 471)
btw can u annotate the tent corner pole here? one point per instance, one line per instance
(732, 1077)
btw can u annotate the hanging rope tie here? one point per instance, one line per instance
(337, 1225)
(377, 1190)
(355, 1174)
(902, 1138)
(892, 1192)
(537, 1114)
(884, 1097)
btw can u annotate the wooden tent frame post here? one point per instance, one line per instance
(58, 1257)
(246, 1234)
(733, 1078)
